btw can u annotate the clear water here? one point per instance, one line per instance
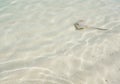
(39, 44)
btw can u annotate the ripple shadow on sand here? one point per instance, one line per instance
(32, 75)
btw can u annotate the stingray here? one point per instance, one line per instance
(80, 25)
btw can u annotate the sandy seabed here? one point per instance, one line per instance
(39, 44)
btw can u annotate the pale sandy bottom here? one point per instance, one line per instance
(39, 44)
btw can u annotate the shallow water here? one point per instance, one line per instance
(39, 43)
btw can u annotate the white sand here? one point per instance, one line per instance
(39, 44)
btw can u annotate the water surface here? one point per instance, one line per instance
(39, 44)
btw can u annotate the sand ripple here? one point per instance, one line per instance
(30, 75)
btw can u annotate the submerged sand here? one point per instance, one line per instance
(39, 43)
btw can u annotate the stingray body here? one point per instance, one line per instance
(81, 25)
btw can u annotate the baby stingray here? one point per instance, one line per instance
(80, 26)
